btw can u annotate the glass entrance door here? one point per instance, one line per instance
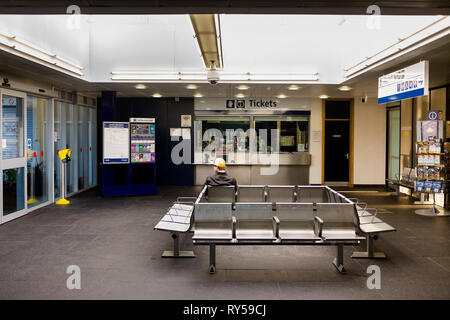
(13, 161)
(394, 143)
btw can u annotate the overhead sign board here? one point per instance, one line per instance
(405, 83)
(116, 142)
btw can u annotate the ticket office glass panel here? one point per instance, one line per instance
(394, 143)
(13, 155)
(233, 132)
(37, 146)
(292, 133)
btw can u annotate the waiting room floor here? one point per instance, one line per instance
(113, 242)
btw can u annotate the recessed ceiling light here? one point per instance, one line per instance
(191, 87)
(140, 86)
(293, 87)
(240, 95)
(243, 87)
(157, 95)
(281, 96)
(198, 95)
(323, 96)
(345, 88)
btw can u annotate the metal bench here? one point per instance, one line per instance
(221, 194)
(312, 194)
(296, 221)
(251, 193)
(178, 219)
(254, 221)
(281, 194)
(371, 226)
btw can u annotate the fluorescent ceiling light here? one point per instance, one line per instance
(323, 96)
(281, 96)
(293, 87)
(240, 95)
(198, 95)
(243, 87)
(140, 86)
(345, 88)
(191, 86)
(157, 95)
(201, 77)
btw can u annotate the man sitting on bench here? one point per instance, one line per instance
(220, 177)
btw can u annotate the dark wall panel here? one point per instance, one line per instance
(168, 113)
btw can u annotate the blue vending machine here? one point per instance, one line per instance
(142, 156)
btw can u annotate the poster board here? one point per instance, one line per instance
(142, 140)
(116, 142)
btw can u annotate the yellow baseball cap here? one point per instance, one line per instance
(220, 163)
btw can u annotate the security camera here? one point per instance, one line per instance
(213, 77)
(364, 99)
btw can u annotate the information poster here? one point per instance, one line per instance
(142, 140)
(116, 142)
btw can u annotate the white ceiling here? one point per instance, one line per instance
(251, 43)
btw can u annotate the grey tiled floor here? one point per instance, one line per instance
(113, 242)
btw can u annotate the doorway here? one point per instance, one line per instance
(13, 155)
(337, 145)
(393, 143)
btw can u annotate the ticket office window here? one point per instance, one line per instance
(233, 132)
(291, 134)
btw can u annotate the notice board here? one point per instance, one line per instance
(116, 142)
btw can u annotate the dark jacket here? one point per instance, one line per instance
(220, 179)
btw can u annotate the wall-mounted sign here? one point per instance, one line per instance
(435, 115)
(186, 120)
(252, 104)
(143, 120)
(116, 142)
(405, 83)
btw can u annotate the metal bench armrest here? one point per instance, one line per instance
(374, 214)
(276, 226)
(320, 221)
(233, 227)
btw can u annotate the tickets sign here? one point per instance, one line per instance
(405, 83)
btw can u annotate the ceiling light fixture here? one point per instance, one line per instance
(293, 87)
(243, 87)
(191, 87)
(240, 95)
(323, 96)
(157, 95)
(140, 86)
(281, 96)
(201, 77)
(345, 88)
(198, 95)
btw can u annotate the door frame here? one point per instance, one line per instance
(351, 136)
(388, 133)
(16, 162)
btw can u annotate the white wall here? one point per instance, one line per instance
(369, 142)
(315, 124)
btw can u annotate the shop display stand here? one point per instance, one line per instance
(432, 173)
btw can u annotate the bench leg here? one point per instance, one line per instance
(339, 260)
(212, 258)
(176, 253)
(370, 252)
